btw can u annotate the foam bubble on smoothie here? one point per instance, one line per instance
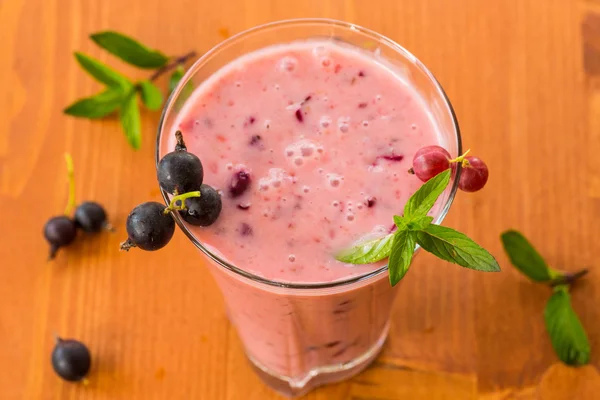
(344, 124)
(325, 121)
(274, 179)
(288, 63)
(303, 148)
(320, 51)
(334, 179)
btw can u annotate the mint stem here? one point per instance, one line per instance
(568, 278)
(172, 65)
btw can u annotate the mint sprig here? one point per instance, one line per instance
(416, 227)
(121, 94)
(566, 332)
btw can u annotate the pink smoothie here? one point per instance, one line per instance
(326, 133)
(327, 136)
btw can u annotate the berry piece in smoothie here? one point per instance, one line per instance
(180, 171)
(71, 359)
(240, 182)
(91, 217)
(59, 232)
(148, 227)
(203, 210)
(474, 175)
(430, 161)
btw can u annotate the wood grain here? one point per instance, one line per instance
(524, 77)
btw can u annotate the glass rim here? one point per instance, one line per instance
(299, 22)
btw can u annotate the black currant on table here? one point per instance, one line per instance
(59, 231)
(203, 210)
(71, 359)
(180, 171)
(149, 227)
(91, 217)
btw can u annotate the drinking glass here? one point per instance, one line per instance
(301, 335)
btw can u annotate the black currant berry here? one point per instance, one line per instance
(180, 171)
(59, 232)
(203, 210)
(90, 217)
(71, 359)
(148, 227)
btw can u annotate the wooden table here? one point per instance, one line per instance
(524, 77)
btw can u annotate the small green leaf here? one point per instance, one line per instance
(403, 248)
(174, 80)
(130, 120)
(568, 336)
(525, 257)
(456, 247)
(422, 200)
(367, 252)
(418, 223)
(151, 95)
(102, 73)
(97, 106)
(130, 50)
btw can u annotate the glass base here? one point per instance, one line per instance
(298, 386)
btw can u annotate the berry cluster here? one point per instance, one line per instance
(432, 160)
(61, 230)
(180, 173)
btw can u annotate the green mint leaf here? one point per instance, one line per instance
(413, 224)
(403, 248)
(130, 120)
(568, 337)
(423, 199)
(102, 73)
(151, 95)
(456, 247)
(130, 50)
(174, 80)
(526, 258)
(97, 106)
(367, 252)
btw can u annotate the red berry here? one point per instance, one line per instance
(474, 176)
(430, 161)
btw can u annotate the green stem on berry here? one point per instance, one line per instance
(71, 175)
(181, 200)
(461, 159)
